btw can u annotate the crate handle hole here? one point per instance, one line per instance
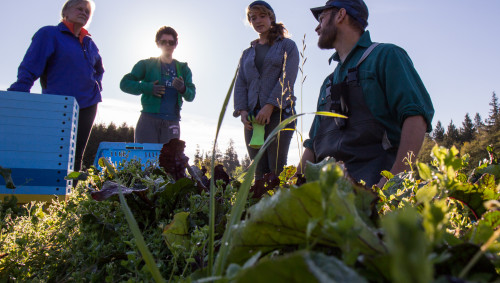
(134, 147)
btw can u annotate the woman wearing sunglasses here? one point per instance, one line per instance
(163, 83)
(260, 98)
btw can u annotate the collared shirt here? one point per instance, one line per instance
(391, 87)
(252, 87)
(71, 27)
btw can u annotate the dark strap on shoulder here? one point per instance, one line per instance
(352, 74)
(337, 98)
(367, 53)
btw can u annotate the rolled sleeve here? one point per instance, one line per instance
(405, 91)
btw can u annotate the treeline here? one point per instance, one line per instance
(109, 133)
(229, 159)
(472, 137)
(124, 133)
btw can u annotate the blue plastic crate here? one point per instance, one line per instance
(116, 152)
(37, 142)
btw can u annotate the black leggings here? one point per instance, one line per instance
(85, 122)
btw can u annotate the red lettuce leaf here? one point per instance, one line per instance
(173, 159)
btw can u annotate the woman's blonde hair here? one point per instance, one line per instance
(71, 3)
(277, 29)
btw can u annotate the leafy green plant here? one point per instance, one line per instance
(412, 230)
(374, 234)
(87, 238)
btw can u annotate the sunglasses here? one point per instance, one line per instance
(168, 42)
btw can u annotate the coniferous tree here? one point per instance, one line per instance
(468, 130)
(207, 161)
(112, 131)
(198, 156)
(245, 163)
(204, 158)
(493, 120)
(218, 155)
(438, 133)
(424, 155)
(487, 133)
(452, 135)
(478, 122)
(125, 132)
(230, 159)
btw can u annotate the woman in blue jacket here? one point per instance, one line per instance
(68, 63)
(258, 89)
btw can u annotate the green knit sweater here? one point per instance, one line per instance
(142, 78)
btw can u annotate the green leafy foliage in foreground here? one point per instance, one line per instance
(442, 226)
(415, 230)
(87, 238)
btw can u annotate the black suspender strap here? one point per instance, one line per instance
(367, 53)
(352, 74)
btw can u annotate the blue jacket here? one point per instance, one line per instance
(64, 65)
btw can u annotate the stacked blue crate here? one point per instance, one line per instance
(37, 142)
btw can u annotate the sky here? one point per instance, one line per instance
(452, 43)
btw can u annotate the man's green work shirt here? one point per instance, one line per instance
(391, 87)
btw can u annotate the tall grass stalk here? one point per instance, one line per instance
(300, 142)
(241, 198)
(132, 223)
(211, 229)
(479, 254)
(280, 102)
(139, 240)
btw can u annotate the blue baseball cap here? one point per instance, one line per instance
(355, 8)
(262, 3)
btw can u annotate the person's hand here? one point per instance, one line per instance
(244, 120)
(264, 115)
(158, 90)
(179, 85)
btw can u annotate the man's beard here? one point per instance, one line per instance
(328, 36)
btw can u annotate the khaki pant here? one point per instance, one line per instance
(150, 129)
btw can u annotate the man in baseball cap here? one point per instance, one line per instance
(355, 8)
(377, 88)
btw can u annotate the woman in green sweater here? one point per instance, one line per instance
(163, 83)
